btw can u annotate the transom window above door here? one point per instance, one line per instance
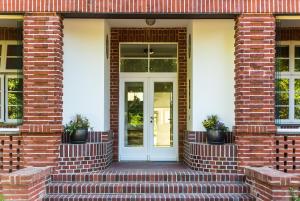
(148, 57)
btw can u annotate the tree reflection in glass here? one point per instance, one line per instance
(134, 113)
(15, 98)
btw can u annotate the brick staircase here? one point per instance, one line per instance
(147, 182)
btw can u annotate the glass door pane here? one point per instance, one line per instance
(163, 114)
(134, 114)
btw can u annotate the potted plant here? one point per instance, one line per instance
(77, 128)
(215, 130)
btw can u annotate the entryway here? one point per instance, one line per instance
(148, 102)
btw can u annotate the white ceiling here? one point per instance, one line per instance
(142, 23)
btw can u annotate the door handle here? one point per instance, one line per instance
(151, 119)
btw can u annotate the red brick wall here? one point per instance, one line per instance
(153, 6)
(148, 35)
(42, 70)
(287, 153)
(254, 89)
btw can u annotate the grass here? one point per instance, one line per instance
(294, 195)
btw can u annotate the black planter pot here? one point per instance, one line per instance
(215, 137)
(80, 136)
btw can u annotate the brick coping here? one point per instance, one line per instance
(273, 177)
(25, 175)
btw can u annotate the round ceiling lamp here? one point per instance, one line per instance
(150, 22)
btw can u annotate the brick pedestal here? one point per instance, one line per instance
(28, 184)
(269, 184)
(255, 89)
(42, 122)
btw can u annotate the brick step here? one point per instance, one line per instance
(152, 197)
(166, 176)
(147, 187)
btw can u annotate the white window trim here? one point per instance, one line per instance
(2, 98)
(7, 120)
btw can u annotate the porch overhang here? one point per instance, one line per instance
(150, 15)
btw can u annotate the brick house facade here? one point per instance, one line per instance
(35, 152)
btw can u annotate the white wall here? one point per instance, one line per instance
(86, 78)
(212, 71)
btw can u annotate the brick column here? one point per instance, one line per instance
(255, 89)
(42, 125)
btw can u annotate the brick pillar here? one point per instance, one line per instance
(42, 125)
(255, 89)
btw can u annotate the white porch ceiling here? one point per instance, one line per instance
(142, 23)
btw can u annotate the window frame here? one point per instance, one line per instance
(291, 75)
(2, 94)
(5, 74)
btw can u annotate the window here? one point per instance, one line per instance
(11, 81)
(141, 57)
(287, 109)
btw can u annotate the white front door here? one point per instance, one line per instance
(148, 119)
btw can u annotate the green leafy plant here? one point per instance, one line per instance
(1, 197)
(294, 195)
(213, 123)
(136, 120)
(79, 122)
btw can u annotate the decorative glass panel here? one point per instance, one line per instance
(15, 98)
(282, 51)
(282, 65)
(134, 114)
(282, 112)
(134, 65)
(163, 65)
(163, 110)
(14, 63)
(14, 50)
(163, 50)
(134, 50)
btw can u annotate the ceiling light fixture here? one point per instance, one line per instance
(150, 22)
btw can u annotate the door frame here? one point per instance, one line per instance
(145, 77)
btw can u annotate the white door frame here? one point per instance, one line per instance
(147, 153)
